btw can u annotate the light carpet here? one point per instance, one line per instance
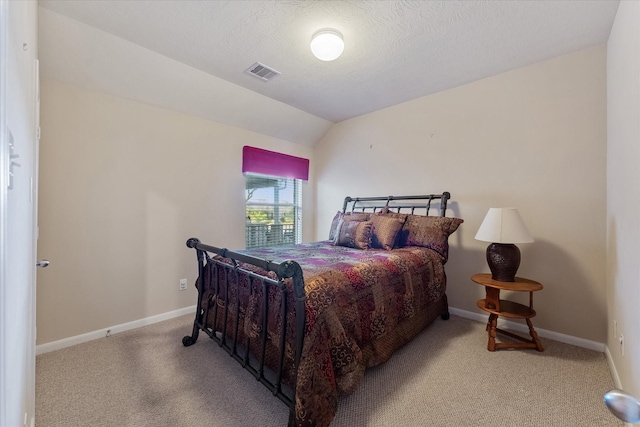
(444, 377)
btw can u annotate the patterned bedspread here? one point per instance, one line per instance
(361, 306)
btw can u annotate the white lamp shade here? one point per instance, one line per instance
(503, 225)
(327, 45)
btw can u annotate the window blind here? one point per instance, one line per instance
(265, 162)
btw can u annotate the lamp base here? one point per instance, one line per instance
(503, 260)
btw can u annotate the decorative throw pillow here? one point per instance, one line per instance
(401, 238)
(400, 216)
(357, 216)
(334, 225)
(349, 216)
(354, 234)
(431, 232)
(385, 231)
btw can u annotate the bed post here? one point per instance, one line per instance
(292, 269)
(443, 203)
(445, 312)
(346, 202)
(190, 340)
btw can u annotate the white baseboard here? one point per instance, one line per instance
(521, 327)
(612, 368)
(101, 333)
(614, 373)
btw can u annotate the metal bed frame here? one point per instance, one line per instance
(285, 270)
(392, 202)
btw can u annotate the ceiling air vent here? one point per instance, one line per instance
(262, 72)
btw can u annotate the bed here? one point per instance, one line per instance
(307, 320)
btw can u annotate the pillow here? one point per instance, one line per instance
(334, 225)
(401, 238)
(385, 231)
(357, 216)
(389, 212)
(349, 216)
(401, 216)
(354, 234)
(431, 232)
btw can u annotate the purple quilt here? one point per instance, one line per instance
(361, 305)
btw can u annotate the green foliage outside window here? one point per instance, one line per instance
(265, 216)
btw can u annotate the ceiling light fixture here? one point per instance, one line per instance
(327, 44)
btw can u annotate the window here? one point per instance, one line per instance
(273, 194)
(273, 211)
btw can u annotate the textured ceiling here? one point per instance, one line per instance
(395, 50)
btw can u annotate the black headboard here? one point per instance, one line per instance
(407, 204)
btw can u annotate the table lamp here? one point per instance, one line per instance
(503, 227)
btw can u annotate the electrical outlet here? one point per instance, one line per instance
(183, 284)
(622, 344)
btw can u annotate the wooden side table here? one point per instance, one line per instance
(495, 306)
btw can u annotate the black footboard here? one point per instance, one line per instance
(224, 328)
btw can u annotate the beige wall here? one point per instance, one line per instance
(533, 138)
(122, 186)
(120, 181)
(623, 191)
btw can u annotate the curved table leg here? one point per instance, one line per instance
(534, 335)
(491, 328)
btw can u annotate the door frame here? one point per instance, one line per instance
(18, 92)
(4, 170)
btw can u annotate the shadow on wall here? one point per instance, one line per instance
(453, 209)
(566, 287)
(462, 264)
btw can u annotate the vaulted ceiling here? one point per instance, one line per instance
(395, 50)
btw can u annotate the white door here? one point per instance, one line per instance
(18, 210)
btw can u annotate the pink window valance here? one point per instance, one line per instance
(257, 160)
